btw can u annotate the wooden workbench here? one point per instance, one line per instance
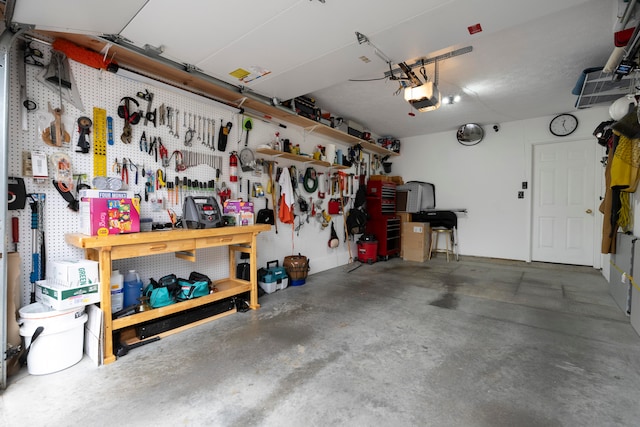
(184, 243)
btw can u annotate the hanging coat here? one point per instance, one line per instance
(285, 206)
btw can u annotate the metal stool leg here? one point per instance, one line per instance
(448, 242)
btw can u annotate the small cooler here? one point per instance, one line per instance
(271, 278)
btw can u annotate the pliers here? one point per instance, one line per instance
(144, 145)
(154, 146)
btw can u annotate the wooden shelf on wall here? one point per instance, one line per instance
(222, 92)
(298, 158)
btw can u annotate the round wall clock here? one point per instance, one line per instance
(563, 124)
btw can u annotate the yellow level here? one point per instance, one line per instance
(99, 142)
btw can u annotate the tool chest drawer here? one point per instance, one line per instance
(155, 248)
(207, 242)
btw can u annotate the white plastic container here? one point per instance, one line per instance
(117, 291)
(274, 286)
(60, 345)
(330, 153)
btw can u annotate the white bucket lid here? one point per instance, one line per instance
(37, 310)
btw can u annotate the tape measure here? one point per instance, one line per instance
(99, 142)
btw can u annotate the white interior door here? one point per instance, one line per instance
(564, 202)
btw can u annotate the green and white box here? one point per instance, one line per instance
(73, 273)
(63, 298)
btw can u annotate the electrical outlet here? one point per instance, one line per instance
(520, 194)
(524, 185)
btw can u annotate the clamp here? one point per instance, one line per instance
(164, 154)
(160, 182)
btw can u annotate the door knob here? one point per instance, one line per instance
(589, 211)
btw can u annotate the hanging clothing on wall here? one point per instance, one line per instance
(287, 199)
(609, 222)
(621, 176)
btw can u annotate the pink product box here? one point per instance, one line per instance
(104, 216)
(236, 206)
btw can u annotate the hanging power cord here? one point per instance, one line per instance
(310, 181)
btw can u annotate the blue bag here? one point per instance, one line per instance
(163, 292)
(190, 289)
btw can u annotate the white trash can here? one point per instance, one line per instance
(59, 345)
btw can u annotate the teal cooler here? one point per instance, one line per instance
(272, 278)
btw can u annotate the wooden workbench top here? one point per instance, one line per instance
(85, 241)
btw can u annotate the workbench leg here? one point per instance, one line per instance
(105, 304)
(253, 276)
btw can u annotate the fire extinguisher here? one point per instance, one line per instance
(233, 167)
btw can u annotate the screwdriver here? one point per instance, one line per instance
(170, 191)
(177, 190)
(15, 231)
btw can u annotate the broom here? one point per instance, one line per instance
(344, 215)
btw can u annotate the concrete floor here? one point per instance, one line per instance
(470, 343)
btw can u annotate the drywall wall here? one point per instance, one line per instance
(485, 179)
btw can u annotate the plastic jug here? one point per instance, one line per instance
(132, 288)
(117, 291)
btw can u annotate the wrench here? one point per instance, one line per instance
(184, 120)
(199, 128)
(177, 125)
(170, 120)
(209, 134)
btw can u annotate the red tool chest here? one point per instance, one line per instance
(383, 222)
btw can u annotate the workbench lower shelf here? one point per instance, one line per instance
(225, 288)
(174, 323)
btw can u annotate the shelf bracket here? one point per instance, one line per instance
(241, 101)
(186, 255)
(311, 129)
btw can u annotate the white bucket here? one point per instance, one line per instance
(60, 345)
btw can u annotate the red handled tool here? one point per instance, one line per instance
(15, 232)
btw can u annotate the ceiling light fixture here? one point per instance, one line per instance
(451, 99)
(423, 97)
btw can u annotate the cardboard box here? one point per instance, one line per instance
(94, 334)
(415, 255)
(63, 298)
(105, 194)
(416, 238)
(236, 206)
(404, 217)
(72, 273)
(239, 219)
(101, 217)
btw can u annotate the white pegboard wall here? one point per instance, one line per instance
(104, 90)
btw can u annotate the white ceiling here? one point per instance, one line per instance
(524, 63)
